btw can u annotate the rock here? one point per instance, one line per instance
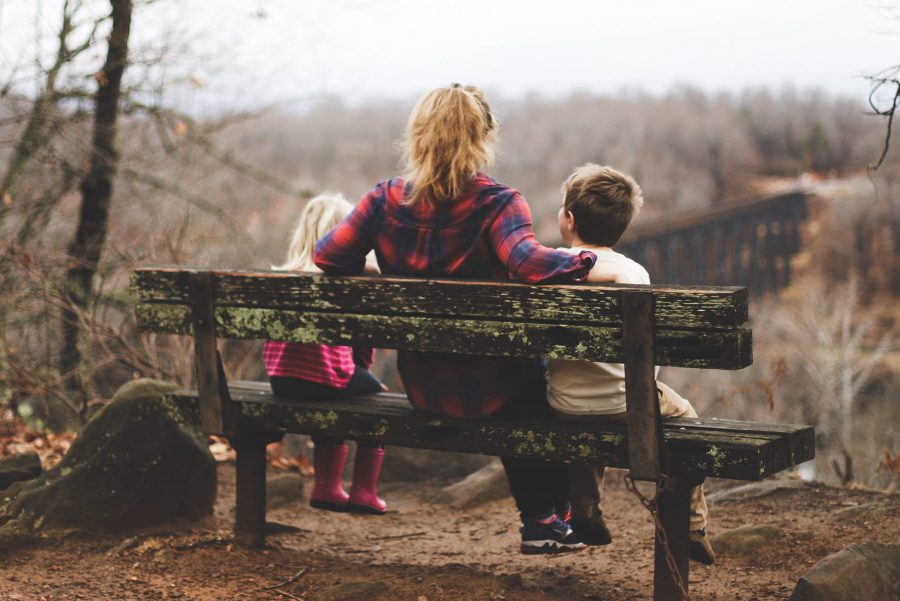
(16, 468)
(860, 572)
(865, 511)
(283, 490)
(756, 490)
(352, 591)
(746, 539)
(133, 466)
(412, 465)
(487, 484)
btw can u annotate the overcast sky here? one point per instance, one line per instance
(270, 50)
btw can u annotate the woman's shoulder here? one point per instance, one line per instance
(484, 182)
(490, 191)
(389, 191)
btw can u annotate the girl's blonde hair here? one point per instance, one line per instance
(448, 138)
(319, 217)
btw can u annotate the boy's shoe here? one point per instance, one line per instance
(592, 530)
(701, 550)
(554, 537)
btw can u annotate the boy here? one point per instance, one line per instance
(598, 204)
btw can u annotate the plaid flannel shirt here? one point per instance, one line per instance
(486, 233)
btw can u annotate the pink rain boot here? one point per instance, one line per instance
(328, 461)
(363, 495)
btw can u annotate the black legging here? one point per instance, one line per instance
(361, 382)
(540, 488)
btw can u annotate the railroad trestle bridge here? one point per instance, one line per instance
(749, 243)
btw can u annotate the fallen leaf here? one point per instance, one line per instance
(892, 463)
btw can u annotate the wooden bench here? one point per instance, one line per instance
(640, 326)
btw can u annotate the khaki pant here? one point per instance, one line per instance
(587, 480)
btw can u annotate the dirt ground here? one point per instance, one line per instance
(426, 552)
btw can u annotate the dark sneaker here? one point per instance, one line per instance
(592, 530)
(701, 550)
(555, 537)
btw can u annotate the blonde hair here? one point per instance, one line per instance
(448, 138)
(602, 201)
(319, 217)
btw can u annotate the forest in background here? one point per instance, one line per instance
(224, 190)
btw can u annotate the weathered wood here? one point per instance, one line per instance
(590, 304)
(646, 451)
(801, 442)
(250, 487)
(718, 349)
(696, 448)
(215, 406)
(674, 505)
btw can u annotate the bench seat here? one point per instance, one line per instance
(705, 447)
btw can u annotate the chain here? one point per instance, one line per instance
(652, 506)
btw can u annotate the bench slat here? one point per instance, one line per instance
(800, 440)
(676, 306)
(388, 419)
(719, 349)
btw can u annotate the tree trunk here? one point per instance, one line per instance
(96, 190)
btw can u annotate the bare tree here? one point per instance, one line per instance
(841, 349)
(96, 192)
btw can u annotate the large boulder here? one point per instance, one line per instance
(16, 468)
(133, 466)
(861, 572)
(412, 465)
(487, 484)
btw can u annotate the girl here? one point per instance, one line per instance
(446, 218)
(316, 371)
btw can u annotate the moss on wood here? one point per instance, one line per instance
(684, 348)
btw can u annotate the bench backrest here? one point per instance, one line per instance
(640, 326)
(704, 327)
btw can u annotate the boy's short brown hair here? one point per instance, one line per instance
(603, 202)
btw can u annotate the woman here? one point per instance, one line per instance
(445, 218)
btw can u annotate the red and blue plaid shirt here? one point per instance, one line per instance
(486, 233)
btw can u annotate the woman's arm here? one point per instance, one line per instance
(343, 250)
(528, 260)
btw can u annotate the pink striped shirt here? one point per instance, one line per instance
(331, 366)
